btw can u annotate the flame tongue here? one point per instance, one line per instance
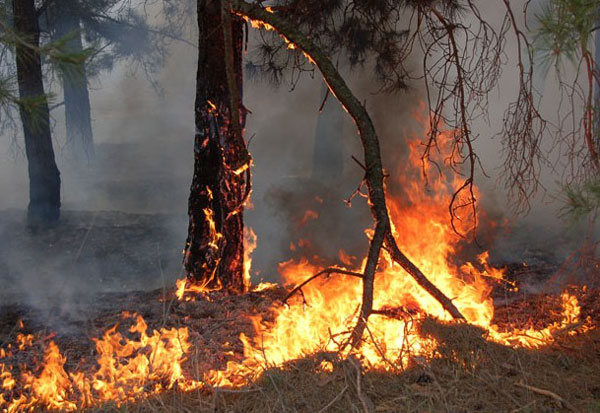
(139, 363)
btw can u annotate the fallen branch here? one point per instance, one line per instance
(547, 393)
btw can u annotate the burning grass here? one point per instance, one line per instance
(196, 349)
(467, 373)
(464, 370)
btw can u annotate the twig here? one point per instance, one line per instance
(85, 238)
(79, 250)
(367, 404)
(232, 391)
(548, 393)
(324, 100)
(164, 285)
(335, 399)
(327, 271)
(364, 168)
(357, 191)
(379, 349)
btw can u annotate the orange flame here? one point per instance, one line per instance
(250, 242)
(320, 319)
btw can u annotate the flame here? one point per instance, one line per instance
(250, 242)
(259, 24)
(187, 291)
(322, 317)
(533, 338)
(213, 235)
(264, 286)
(140, 363)
(127, 368)
(309, 215)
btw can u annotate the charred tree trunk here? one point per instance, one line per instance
(214, 252)
(44, 177)
(78, 118)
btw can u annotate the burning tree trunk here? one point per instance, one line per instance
(78, 119)
(44, 177)
(214, 252)
(373, 165)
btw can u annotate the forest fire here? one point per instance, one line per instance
(417, 302)
(317, 319)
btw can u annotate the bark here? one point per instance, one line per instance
(78, 119)
(44, 177)
(374, 169)
(597, 68)
(214, 253)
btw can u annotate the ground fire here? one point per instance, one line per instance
(424, 318)
(133, 361)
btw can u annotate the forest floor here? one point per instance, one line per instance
(468, 374)
(74, 282)
(61, 273)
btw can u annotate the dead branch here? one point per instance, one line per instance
(324, 101)
(464, 125)
(420, 278)
(326, 272)
(523, 125)
(374, 169)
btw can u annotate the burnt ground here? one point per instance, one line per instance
(67, 273)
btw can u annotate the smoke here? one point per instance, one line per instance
(124, 212)
(123, 221)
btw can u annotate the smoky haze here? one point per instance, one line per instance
(126, 209)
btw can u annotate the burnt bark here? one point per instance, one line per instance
(214, 252)
(374, 169)
(78, 118)
(44, 177)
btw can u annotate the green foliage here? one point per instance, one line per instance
(581, 200)
(566, 35)
(566, 29)
(66, 61)
(35, 106)
(56, 52)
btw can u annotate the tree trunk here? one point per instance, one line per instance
(78, 119)
(214, 253)
(597, 68)
(44, 177)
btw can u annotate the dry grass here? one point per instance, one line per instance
(467, 374)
